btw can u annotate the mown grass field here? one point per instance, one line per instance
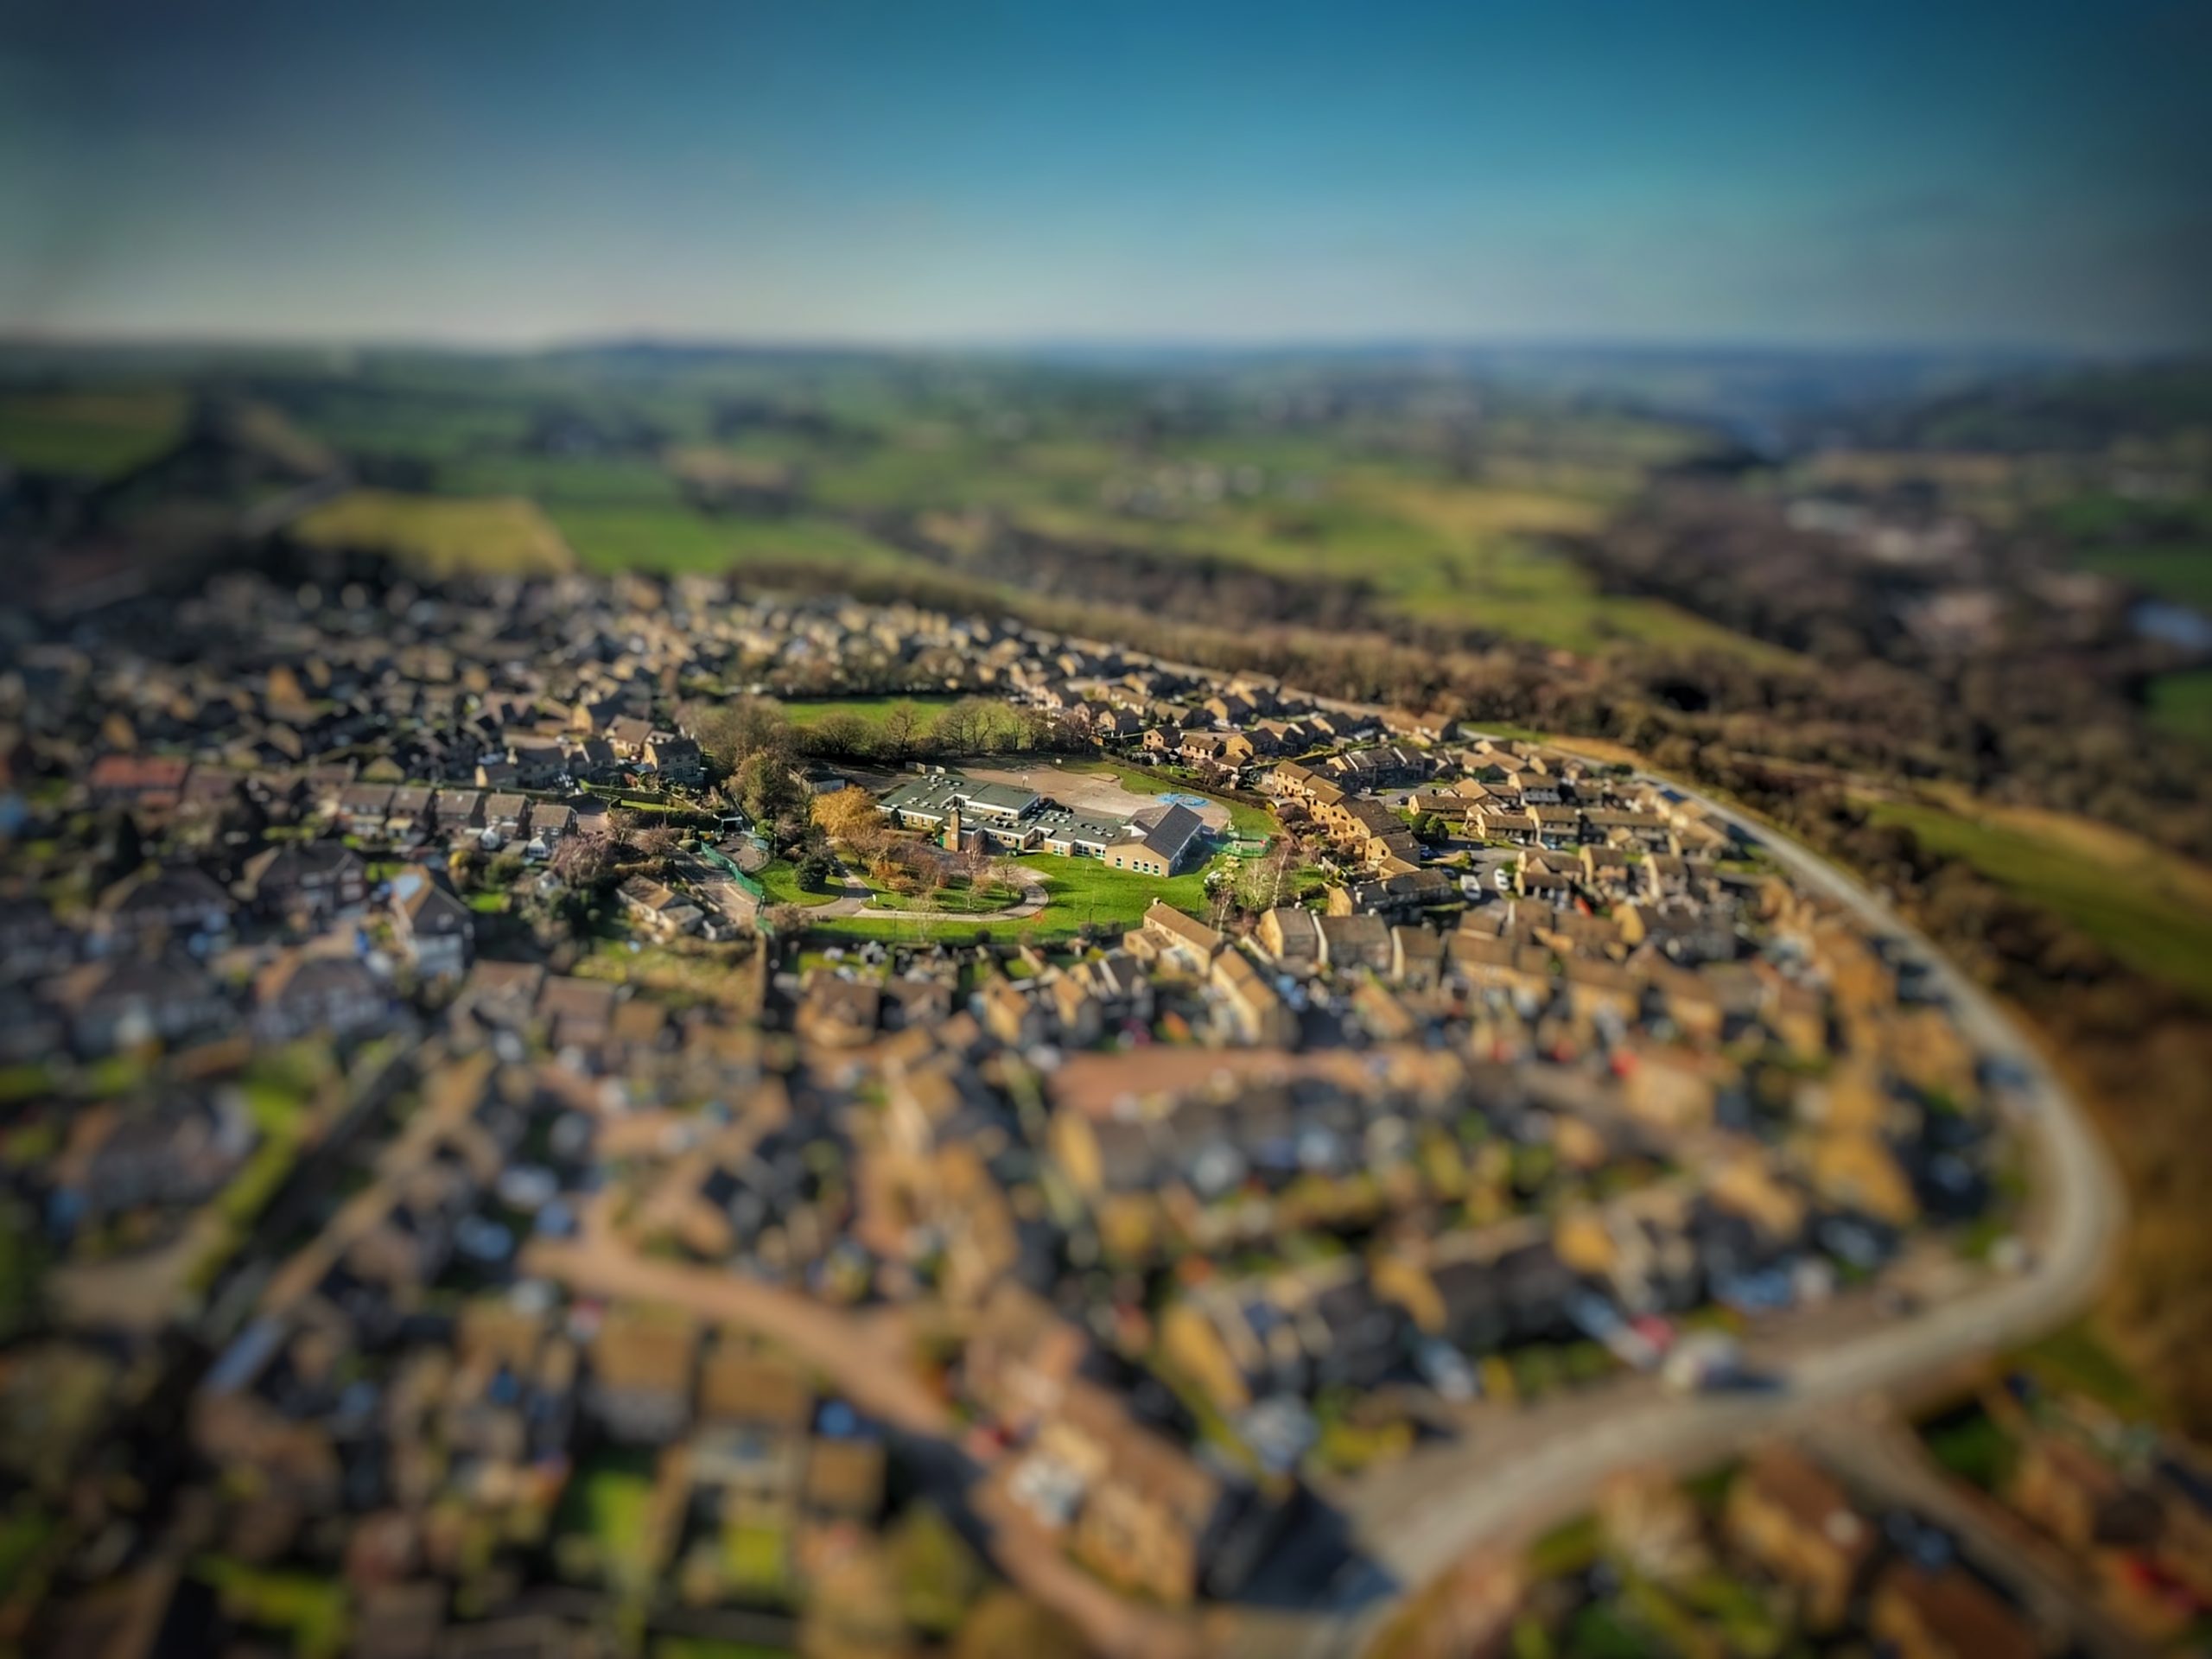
(2147, 909)
(89, 434)
(814, 711)
(442, 535)
(1084, 892)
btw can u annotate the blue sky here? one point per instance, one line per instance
(1868, 174)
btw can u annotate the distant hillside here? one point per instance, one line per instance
(2084, 410)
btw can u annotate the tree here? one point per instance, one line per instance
(849, 815)
(581, 860)
(816, 866)
(964, 728)
(902, 733)
(842, 736)
(1261, 881)
(731, 734)
(765, 787)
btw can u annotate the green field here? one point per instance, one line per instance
(530, 462)
(1429, 550)
(563, 480)
(2182, 575)
(2181, 705)
(89, 434)
(1089, 890)
(814, 711)
(441, 535)
(675, 539)
(2143, 920)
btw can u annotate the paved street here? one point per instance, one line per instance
(1412, 1520)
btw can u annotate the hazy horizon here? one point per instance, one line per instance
(1970, 177)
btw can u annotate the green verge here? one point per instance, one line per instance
(2133, 914)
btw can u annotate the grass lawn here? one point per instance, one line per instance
(1971, 1445)
(1567, 1547)
(89, 434)
(778, 878)
(442, 534)
(706, 1647)
(955, 898)
(1091, 891)
(656, 968)
(2136, 911)
(24, 1533)
(2072, 1358)
(755, 1557)
(1082, 891)
(606, 1501)
(312, 1609)
(893, 929)
(2181, 705)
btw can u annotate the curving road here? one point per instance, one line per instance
(1412, 1521)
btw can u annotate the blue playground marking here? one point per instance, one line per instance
(1196, 802)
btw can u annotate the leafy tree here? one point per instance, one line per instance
(840, 736)
(732, 733)
(765, 787)
(1261, 882)
(904, 733)
(965, 727)
(816, 866)
(847, 815)
(581, 860)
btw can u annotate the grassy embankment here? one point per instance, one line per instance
(2151, 910)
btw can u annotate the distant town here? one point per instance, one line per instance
(561, 1115)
